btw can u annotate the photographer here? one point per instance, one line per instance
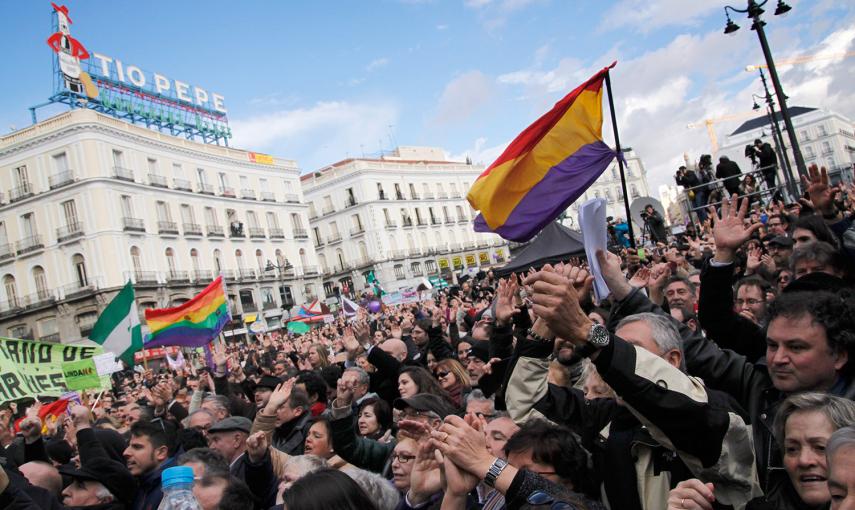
(692, 184)
(655, 224)
(768, 162)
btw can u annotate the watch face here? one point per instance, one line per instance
(599, 336)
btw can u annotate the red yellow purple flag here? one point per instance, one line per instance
(546, 168)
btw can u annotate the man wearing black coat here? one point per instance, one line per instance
(728, 170)
(768, 161)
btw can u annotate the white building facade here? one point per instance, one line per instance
(825, 139)
(403, 217)
(608, 186)
(91, 202)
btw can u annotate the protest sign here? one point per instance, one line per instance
(30, 369)
(81, 374)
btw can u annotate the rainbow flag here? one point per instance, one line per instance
(546, 168)
(193, 324)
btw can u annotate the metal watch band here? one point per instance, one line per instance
(495, 470)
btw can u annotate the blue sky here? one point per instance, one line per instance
(321, 81)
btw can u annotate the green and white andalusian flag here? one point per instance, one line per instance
(118, 326)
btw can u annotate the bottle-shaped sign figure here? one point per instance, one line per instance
(69, 52)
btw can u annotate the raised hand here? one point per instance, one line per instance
(256, 446)
(350, 344)
(505, 302)
(754, 256)
(640, 278)
(425, 479)
(31, 425)
(768, 263)
(362, 332)
(556, 301)
(80, 416)
(279, 396)
(344, 393)
(730, 231)
(612, 274)
(819, 191)
(461, 442)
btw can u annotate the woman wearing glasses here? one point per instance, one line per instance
(454, 379)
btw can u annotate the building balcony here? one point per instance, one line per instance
(300, 233)
(228, 274)
(21, 192)
(455, 194)
(246, 274)
(415, 252)
(39, 298)
(398, 254)
(428, 195)
(236, 231)
(357, 231)
(61, 179)
(257, 233)
(53, 338)
(382, 196)
(201, 275)
(215, 231)
(449, 221)
(192, 229)
(319, 243)
(174, 276)
(7, 251)
(363, 262)
(415, 196)
(334, 239)
(277, 233)
(206, 189)
(498, 242)
(417, 271)
(158, 180)
(69, 232)
(12, 305)
(292, 198)
(342, 268)
(79, 288)
(421, 222)
(123, 174)
(454, 247)
(248, 194)
(483, 243)
(408, 223)
(182, 184)
(133, 224)
(270, 305)
(29, 244)
(441, 195)
(310, 270)
(350, 202)
(313, 215)
(390, 225)
(142, 277)
(227, 191)
(461, 220)
(327, 210)
(167, 227)
(268, 196)
(399, 196)
(434, 221)
(469, 245)
(249, 307)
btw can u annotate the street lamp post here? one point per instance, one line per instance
(754, 10)
(280, 270)
(792, 184)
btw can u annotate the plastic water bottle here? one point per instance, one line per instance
(177, 484)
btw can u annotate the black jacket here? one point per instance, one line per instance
(730, 171)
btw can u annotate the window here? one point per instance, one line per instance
(60, 163)
(170, 260)
(259, 259)
(262, 185)
(296, 222)
(303, 260)
(239, 259)
(334, 229)
(252, 219)
(11, 290)
(267, 300)
(356, 222)
(152, 166)
(194, 259)
(69, 212)
(430, 266)
(399, 272)
(821, 130)
(28, 226)
(413, 194)
(609, 196)
(351, 198)
(244, 182)
(79, 266)
(826, 148)
(416, 268)
(201, 176)
(163, 213)
(211, 216)
(398, 193)
(634, 190)
(803, 135)
(177, 171)
(48, 330)
(809, 153)
(40, 281)
(135, 259)
(187, 215)
(614, 173)
(247, 300)
(460, 212)
(380, 193)
(127, 206)
(118, 158)
(285, 296)
(317, 232)
(272, 220)
(224, 180)
(386, 216)
(218, 265)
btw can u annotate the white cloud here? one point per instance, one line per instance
(494, 14)
(463, 96)
(442, 27)
(647, 15)
(377, 64)
(343, 128)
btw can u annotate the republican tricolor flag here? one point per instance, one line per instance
(546, 168)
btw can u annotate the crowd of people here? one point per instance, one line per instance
(718, 373)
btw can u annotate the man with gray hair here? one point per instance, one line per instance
(664, 427)
(840, 454)
(361, 382)
(217, 405)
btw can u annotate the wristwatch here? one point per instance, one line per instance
(495, 470)
(598, 338)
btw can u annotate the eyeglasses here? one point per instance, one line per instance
(442, 374)
(402, 458)
(411, 414)
(542, 498)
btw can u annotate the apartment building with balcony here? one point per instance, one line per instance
(91, 202)
(403, 216)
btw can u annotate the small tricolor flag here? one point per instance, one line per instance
(546, 168)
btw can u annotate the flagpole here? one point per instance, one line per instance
(619, 158)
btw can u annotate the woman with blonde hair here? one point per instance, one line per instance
(454, 379)
(318, 356)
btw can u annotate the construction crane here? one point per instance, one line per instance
(710, 125)
(802, 59)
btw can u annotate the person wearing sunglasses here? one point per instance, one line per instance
(454, 379)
